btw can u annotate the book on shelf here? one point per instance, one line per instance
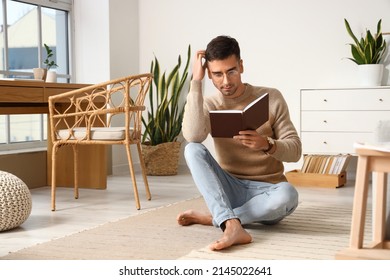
(325, 164)
(227, 123)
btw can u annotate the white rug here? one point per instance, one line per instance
(313, 231)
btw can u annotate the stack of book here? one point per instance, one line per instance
(325, 164)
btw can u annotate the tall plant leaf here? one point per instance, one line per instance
(166, 109)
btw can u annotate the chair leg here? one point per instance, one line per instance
(75, 172)
(132, 173)
(53, 177)
(143, 169)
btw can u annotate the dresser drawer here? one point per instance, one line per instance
(351, 99)
(332, 142)
(339, 121)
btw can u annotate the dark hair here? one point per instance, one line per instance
(221, 48)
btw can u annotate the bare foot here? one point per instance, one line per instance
(234, 234)
(190, 217)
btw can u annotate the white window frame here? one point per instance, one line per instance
(56, 4)
(65, 5)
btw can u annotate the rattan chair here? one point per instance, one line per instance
(86, 117)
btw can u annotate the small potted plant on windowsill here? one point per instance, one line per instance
(368, 53)
(41, 73)
(50, 63)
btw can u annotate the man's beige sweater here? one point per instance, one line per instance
(235, 158)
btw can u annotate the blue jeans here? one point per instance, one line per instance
(228, 197)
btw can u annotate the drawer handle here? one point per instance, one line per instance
(325, 142)
(325, 100)
(380, 99)
(325, 121)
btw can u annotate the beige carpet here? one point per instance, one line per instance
(314, 231)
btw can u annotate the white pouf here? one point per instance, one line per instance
(15, 201)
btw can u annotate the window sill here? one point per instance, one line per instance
(23, 151)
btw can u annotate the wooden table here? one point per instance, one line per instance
(31, 97)
(369, 161)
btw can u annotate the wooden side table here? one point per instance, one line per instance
(369, 160)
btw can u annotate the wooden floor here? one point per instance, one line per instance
(96, 207)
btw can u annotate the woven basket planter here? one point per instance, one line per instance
(162, 159)
(15, 201)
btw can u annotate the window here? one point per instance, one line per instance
(25, 26)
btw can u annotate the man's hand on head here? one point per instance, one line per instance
(199, 66)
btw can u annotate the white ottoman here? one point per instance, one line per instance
(15, 201)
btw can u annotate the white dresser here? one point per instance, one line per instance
(333, 119)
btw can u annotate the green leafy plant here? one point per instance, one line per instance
(166, 108)
(369, 49)
(50, 63)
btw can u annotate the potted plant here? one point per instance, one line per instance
(41, 73)
(368, 53)
(160, 145)
(50, 63)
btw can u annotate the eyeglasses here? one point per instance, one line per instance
(229, 74)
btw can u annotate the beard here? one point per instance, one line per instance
(228, 90)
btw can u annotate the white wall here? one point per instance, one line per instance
(285, 44)
(107, 47)
(124, 60)
(91, 41)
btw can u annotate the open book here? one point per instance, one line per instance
(227, 123)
